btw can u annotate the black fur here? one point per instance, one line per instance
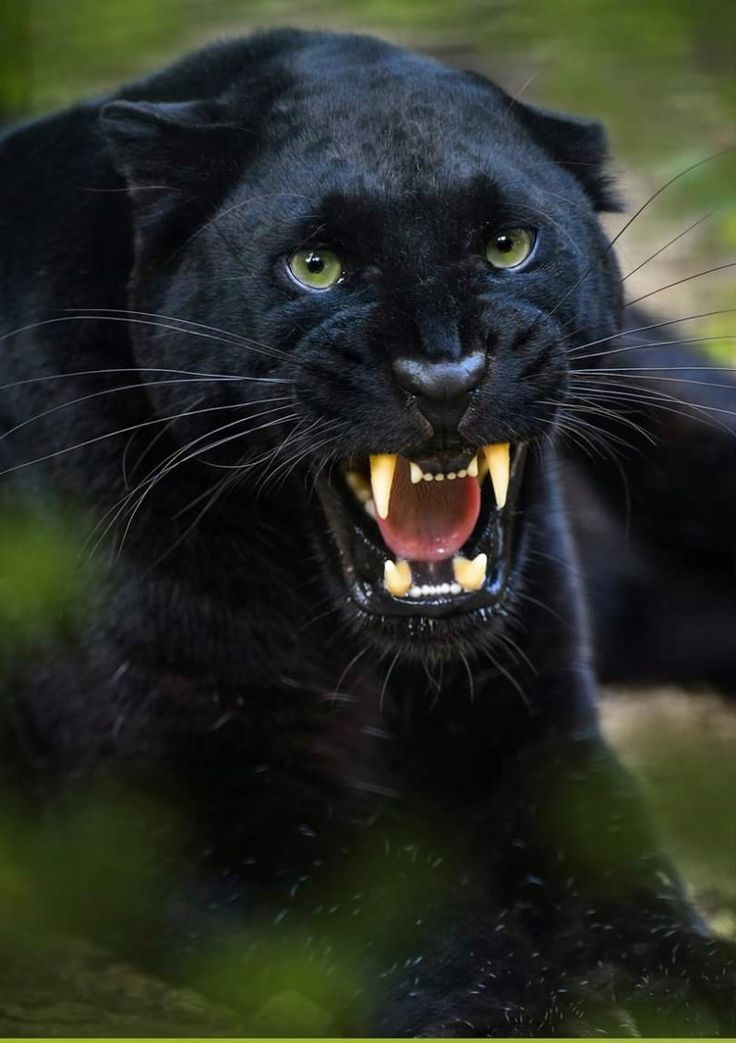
(227, 671)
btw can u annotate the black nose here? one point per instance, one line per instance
(440, 381)
(441, 389)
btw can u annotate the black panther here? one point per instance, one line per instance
(317, 334)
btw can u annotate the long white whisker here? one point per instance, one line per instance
(667, 245)
(120, 505)
(649, 344)
(138, 386)
(141, 322)
(142, 369)
(234, 338)
(650, 326)
(679, 282)
(114, 434)
(175, 462)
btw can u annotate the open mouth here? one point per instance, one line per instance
(428, 536)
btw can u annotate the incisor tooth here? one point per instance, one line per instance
(397, 578)
(415, 472)
(383, 466)
(498, 459)
(469, 574)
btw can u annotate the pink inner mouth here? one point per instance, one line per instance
(429, 521)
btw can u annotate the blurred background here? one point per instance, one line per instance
(660, 75)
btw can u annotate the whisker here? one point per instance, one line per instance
(589, 378)
(657, 400)
(141, 369)
(271, 353)
(309, 450)
(220, 488)
(114, 434)
(610, 245)
(611, 415)
(651, 326)
(509, 677)
(288, 466)
(469, 672)
(679, 282)
(666, 185)
(234, 338)
(158, 435)
(649, 344)
(666, 246)
(386, 680)
(178, 460)
(138, 386)
(118, 508)
(630, 373)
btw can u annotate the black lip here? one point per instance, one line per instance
(361, 555)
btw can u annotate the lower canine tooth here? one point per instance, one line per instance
(383, 468)
(469, 574)
(472, 469)
(397, 578)
(416, 473)
(498, 459)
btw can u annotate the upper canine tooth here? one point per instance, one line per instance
(397, 578)
(416, 473)
(472, 468)
(471, 575)
(498, 459)
(383, 467)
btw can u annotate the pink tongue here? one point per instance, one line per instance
(429, 521)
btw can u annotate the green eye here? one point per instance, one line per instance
(317, 269)
(510, 249)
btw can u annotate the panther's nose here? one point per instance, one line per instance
(438, 381)
(441, 387)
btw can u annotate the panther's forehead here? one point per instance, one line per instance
(415, 162)
(397, 110)
(412, 142)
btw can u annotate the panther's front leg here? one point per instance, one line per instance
(577, 925)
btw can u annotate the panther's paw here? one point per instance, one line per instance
(684, 983)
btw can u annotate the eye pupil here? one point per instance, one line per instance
(505, 243)
(315, 264)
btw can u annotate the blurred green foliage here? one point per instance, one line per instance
(44, 584)
(642, 67)
(660, 74)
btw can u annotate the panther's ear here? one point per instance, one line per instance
(579, 145)
(169, 151)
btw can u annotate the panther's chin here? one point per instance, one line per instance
(425, 547)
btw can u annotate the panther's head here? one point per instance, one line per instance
(403, 256)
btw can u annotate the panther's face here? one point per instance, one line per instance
(410, 255)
